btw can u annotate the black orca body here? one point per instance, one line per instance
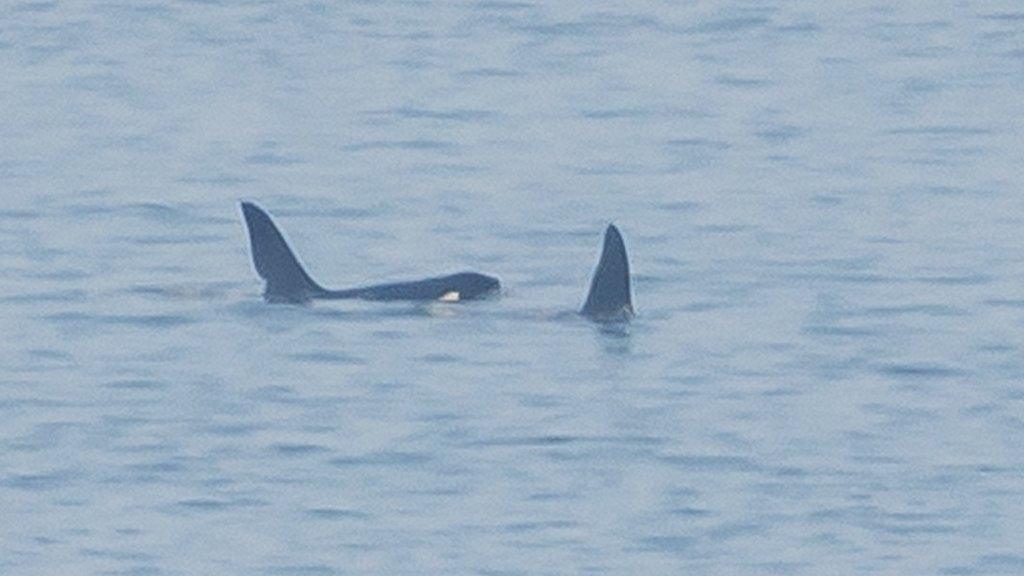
(609, 299)
(288, 282)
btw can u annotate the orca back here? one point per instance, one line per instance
(286, 280)
(610, 298)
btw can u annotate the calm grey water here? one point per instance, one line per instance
(823, 207)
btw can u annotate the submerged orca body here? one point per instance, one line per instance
(609, 299)
(287, 281)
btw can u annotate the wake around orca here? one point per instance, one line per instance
(286, 281)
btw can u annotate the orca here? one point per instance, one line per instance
(288, 282)
(610, 299)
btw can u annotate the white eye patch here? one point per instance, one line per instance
(452, 296)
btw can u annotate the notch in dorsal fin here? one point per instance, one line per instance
(286, 280)
(609, 298)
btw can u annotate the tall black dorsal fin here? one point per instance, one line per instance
(286, 280)
(609, 298)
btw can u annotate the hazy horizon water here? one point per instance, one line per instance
(822, 209)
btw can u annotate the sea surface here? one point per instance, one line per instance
(824, 208)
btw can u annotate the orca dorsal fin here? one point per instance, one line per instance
(286, 280)
(609, 298)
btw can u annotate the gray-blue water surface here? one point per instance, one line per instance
(822, 203)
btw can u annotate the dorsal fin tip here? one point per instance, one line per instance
(612, 234)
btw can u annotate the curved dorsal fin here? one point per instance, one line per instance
(286, 280)
(609, 298)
